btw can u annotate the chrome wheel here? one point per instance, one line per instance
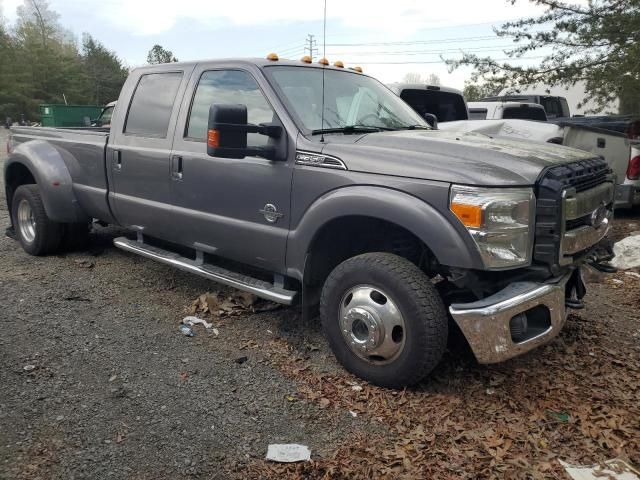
(26, 221)
(371, 324)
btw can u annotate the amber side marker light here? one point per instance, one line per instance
(469, 215)
(338, 64)
(273, 57)
(323, 61)
(213, 138)
(306, 59)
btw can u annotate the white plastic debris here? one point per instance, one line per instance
(191, 321)
(353, 414)
(616, 281)
(356, 388)
(632, 274)
(29, 368)
(627, 253)
(288, 453)
(618, 470)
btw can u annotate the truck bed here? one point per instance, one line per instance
(83, 151)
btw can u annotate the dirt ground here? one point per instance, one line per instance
(97, 382)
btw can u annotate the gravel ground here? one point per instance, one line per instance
(97, 382)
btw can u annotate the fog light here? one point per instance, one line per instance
(518, 327)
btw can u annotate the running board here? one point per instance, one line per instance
(262, 289)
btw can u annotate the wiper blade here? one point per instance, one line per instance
(415, 127)
(349, 129)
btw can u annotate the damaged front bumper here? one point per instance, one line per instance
(516, 319)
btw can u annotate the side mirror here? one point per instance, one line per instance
(431, 119)
(227, 133)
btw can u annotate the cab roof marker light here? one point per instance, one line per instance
(323, 61)
(338, 64)
(273, 57)
(306, 59)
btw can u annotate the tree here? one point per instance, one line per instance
(159, 55)
(103, 71)
(597, 42)
(414, 77)
(475, 91)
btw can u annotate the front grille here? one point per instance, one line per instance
(581, 176)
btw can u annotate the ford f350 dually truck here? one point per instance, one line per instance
(315, 185)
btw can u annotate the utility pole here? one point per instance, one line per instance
(310, 47)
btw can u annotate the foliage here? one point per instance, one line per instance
(414, 77)
(158, 54)
(597, 42)
(102, 70)
(475, 91)
(41, 63)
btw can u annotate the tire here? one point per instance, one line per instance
(404, 304)
(37, 234)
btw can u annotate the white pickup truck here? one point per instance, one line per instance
(506, 110)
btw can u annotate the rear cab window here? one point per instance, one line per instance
(152, 104)
(524, 113)
(446, 106)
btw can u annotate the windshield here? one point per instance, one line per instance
(350, 100)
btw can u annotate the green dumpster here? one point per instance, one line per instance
(54, 115)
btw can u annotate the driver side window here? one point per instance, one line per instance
(228, 87)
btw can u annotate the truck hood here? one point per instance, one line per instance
(450, 156)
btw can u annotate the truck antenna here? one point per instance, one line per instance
(324, 55)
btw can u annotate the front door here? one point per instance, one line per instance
(138, 156)
(235, 208)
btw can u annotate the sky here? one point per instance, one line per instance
(388, 39)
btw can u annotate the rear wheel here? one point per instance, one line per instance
(384, 320)
(37, 234)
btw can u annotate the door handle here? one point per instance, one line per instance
(117, 160)
(176, 167)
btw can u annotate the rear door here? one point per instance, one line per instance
(139, 154)
(235, 208)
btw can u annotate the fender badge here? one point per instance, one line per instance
(271, 213)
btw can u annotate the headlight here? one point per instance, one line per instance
(500, 221)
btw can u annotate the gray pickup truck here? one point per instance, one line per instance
(316, 185)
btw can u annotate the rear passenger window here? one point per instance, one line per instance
(152, 104)
(230, 87)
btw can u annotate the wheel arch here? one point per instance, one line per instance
(37, 162)
(361, 208)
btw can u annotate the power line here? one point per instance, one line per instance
(495, 48)
(419, 42)
(434, 62)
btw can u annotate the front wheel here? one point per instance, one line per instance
(37, 234)
(384, 320)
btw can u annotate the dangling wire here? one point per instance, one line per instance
(324, 55)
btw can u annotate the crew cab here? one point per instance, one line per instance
(315, 185)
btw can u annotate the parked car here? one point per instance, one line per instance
(104, 119)
(234, 171)
(446, 104)
(507, 110)
(554, 106)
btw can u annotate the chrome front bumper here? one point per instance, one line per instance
(486, 323)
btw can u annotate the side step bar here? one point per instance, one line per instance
(258, 287)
